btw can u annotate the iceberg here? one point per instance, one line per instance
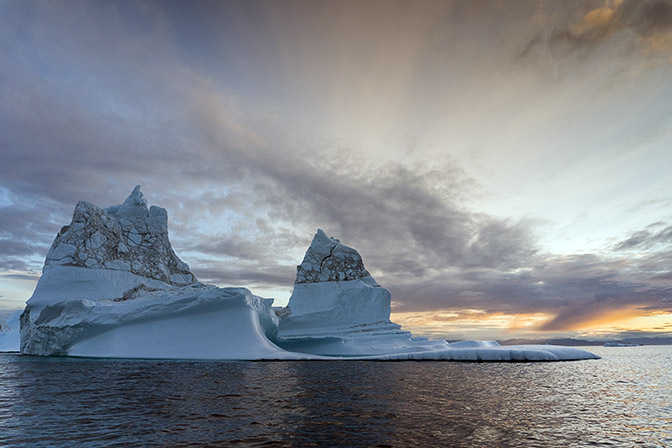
(338, 309)
(620, 344)
(10, 337)
(113, 287)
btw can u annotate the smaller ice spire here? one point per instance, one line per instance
(136, 197)
(327, 260)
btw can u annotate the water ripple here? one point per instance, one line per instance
(622, 400)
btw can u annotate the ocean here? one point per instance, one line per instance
(622, 400)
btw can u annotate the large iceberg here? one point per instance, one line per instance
(113, 287)
(338, 309)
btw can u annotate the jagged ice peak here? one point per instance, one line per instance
(125, 237)
(327, 260)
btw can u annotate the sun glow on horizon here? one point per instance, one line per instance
(470, 323)
(473, 324)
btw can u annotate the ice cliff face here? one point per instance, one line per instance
(190, 322)
(127, 237)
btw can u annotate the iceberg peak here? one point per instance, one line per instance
(334, 290)
(126, 237)
(136, 198)
(327, 260)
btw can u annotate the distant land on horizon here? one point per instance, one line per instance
(585, 342)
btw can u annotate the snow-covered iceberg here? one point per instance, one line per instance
(113, 287)
(338, 309)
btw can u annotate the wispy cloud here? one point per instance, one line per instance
(647, 25)
(650, 237)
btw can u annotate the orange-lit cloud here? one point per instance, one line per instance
(597, 18)
(659, 42)
(645, 25)
(632, 319)
(654, 35)
(470, 323)
(596, 317)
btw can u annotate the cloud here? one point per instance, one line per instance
(238, 275)
(648, 22)
(410, 217)
(28, 224)
(577, 290)
(646, 239)
(30, 277)
(96, 103)
(646, 18)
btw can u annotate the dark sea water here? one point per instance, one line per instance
(624, 399)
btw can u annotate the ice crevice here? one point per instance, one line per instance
(331, 252)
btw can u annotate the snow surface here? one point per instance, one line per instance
(113, 287)
(64, 283)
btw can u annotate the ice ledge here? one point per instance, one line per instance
(61, 283)
(145, 323)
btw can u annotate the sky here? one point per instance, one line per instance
(501, 166)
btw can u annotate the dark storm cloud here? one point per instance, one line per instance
(262, 245)
(410, 218)
(406, 218)
(229, 247)
(645, 17)
(28, 224)
(12, 248)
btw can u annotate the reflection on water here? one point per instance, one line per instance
(625, 399)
